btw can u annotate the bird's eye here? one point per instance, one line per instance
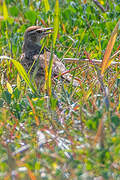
(39, 31)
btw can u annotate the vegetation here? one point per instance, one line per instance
(61, 131)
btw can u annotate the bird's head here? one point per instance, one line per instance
(34, 34)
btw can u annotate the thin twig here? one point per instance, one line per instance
(77, 60)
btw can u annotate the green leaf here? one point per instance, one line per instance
(18, 81)
(5, 11)
(56, 22)
(6, 96)
(14, 11)
(9, 87)
(24, 75)
(21, 71)
(50, 72)
(56, 26)
(46, 4)
(31, 16)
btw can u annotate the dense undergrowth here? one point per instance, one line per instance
(61, 132)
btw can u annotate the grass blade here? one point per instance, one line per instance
(24, 75)
(56, 22)
(46, 4)
(9, 87)
(109, 48)
(56, 26)
(50, 73)
(21, 71)
(5, 11)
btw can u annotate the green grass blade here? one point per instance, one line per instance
(21, 71)
(56, 26)
(24, 75)
(5, 11)
(46, 4)
(50, 72)
(56, 22)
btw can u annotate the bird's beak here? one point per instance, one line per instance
(42, 31)
(46, 31)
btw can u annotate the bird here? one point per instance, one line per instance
(34, 56)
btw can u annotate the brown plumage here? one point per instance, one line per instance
(32, 53)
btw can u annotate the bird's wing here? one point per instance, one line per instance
(57, 68)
